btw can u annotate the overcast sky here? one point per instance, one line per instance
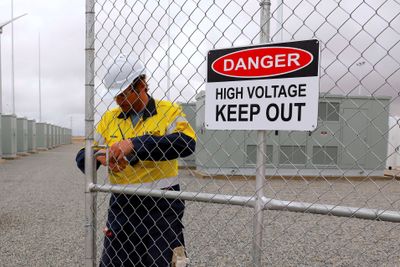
(62, 30)
(372, 27)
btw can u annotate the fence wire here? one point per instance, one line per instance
(351, 160)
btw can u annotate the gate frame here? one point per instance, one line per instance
(259, 202)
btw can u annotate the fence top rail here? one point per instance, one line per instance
(249, 201)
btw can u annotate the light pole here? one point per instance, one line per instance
(360, 64)
(1, 31)
(12, 58)
(40, 86)
(36, 21)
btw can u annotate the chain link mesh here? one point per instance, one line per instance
(351, 159)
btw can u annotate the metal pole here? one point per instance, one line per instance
(1, 98)
(40, 86)
(261, 147)
(249, 201)
(1, 88)
(12, 58)
(90, 197)
(258, 205)
(12, 39)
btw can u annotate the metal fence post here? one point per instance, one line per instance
(261, 150)
(90, 197)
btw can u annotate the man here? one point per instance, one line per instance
(145, 136)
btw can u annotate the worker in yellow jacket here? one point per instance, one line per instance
(145, 136)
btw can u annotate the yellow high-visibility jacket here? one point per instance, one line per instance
(161, 135)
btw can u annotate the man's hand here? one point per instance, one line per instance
(116, 163)
(119, 150)
(118, 166)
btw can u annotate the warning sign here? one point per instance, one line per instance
(263, 87)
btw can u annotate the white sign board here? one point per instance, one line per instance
(263, 87)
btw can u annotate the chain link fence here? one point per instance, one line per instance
(329, 197)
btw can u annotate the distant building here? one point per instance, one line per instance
(393, 160)
(351, 139)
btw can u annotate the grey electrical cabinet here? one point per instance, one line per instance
(22, 136)
(41, 136)
(351, 139)
(53, 136)
(32, 136)
(65, 132)
(62, 135)
(65, 136)
(217, 150)
(69, 136)
(1, 147)
(9, 136)
(49, 136)
(59, 135)
(56, 136)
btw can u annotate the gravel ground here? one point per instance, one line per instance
(42, 211)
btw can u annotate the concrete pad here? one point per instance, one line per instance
(11, 157)
(395, 173)
(23, 154)
(200, 174)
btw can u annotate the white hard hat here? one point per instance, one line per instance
(121, 72)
